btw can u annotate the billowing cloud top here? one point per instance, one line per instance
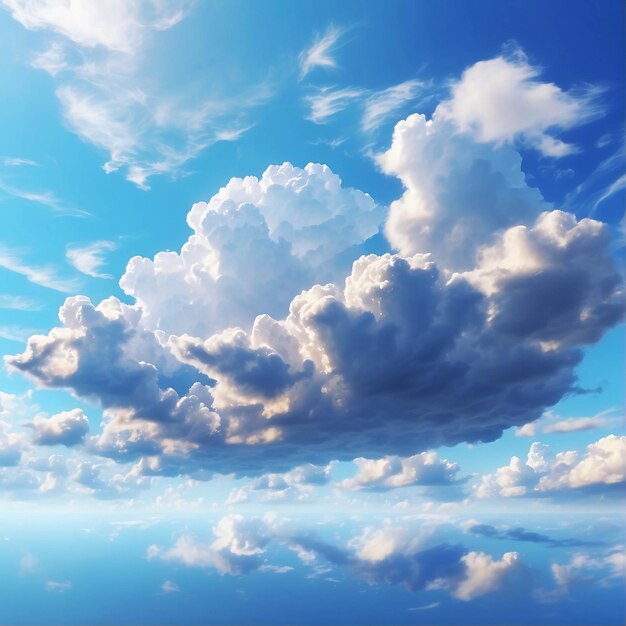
(271, 339)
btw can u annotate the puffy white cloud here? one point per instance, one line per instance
(607, 568)
(237, 549)
(484, 574)
(527, 430)
(90, 258)
(297, 483)
(256, 244)
(391, 472)
(601, 467)
(67, 428)
(458, 193)
(502, 100)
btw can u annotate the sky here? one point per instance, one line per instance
(312, 313)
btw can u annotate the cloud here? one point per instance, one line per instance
(376, 106)
(555, 424)
(116, 25)
(18, 162)
(327, 102)
(382, 104)
(521, 534)
(387, 555)
(256, 244)
(583, 570)
(601, 468)
(391, 472)
(169, 587)
(58, 586)
(237, 549)
(115, 97)
(527, 430)
(90, 258)
(272, 339)
(297, 483)
(68, 428)
(47, 199)
(502, 100)
(578, 424)
(321, 52)
(46, 276)
(18, 303)
(11, 446)
(484, 574)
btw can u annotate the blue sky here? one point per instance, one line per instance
(319, 302)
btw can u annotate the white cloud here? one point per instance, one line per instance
(502, 100)
(45, 276)
(256, 244)
(391, 472)
(484, 574)
(237, 548)
(382, 104)
(169, 587)
(601, 467)
(18, 303)
(58, 586)
(18, 162)
(327, 102)
(90, 258)
(115, 25)
(66, 428)
(527, 430)
(576, 424)
(321, 52)
(297, 483)
(45, 198)
(114, 96)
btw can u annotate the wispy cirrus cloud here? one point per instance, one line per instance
(374, 106)
(115, 96)
(18, 303)
(90, 258)
(43, 275)
(46, 199)
(327, 102)
(321, 52)
(382, 104)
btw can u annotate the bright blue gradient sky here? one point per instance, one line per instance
(425, 421)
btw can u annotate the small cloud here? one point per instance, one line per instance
(169, 587)
(321, 53)
(45, 276)
(18, 303)
(327, 102)
(17, 162)
(527, 430)
(28, 564)
(59, 586)
(90, 258)
(47, 199)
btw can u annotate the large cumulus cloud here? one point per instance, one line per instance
(257, 348)
(256, 244)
